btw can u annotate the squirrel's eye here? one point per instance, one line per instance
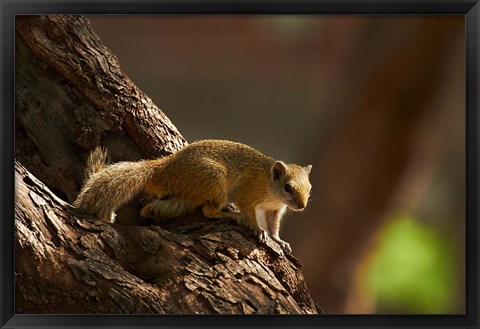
(288, 188)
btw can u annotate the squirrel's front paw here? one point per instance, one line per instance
(284, 245)
(261, 235)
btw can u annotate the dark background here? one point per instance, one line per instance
(375, 103)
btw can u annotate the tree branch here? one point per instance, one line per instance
(70, 97)
(66, 263)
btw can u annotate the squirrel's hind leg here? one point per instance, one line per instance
(214, 210)
(214, 197)
(166, 208)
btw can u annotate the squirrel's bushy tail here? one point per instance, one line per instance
(96, 160)
(107, 187)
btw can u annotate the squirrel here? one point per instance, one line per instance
(207, 174)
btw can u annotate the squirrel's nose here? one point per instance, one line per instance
(300, 205)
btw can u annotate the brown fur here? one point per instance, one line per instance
(207, 175)
(97, 159)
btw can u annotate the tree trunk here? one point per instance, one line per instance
(70, 97)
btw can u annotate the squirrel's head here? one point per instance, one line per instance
(292, 184)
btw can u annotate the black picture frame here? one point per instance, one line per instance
(10, 8)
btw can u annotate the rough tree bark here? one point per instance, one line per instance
(70, 97)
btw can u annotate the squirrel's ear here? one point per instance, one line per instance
(278, 170)
(308, 169)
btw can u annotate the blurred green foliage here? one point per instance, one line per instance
(413, 269)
